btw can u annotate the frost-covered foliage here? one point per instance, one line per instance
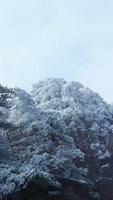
(84, 112)
(60, 128)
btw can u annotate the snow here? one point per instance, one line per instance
(100, 151)
(59, 125)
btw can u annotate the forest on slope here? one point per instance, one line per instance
(57, 137)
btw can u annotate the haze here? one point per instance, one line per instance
(57, 38)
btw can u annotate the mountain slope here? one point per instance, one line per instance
(61, 129)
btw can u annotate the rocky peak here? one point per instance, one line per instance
(61, 129)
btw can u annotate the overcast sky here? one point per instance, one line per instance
(72, 39)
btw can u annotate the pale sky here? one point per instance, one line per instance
(70, 39)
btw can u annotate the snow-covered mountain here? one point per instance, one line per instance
(59, 130)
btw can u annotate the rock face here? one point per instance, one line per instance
(105, 182)
(62, 132)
